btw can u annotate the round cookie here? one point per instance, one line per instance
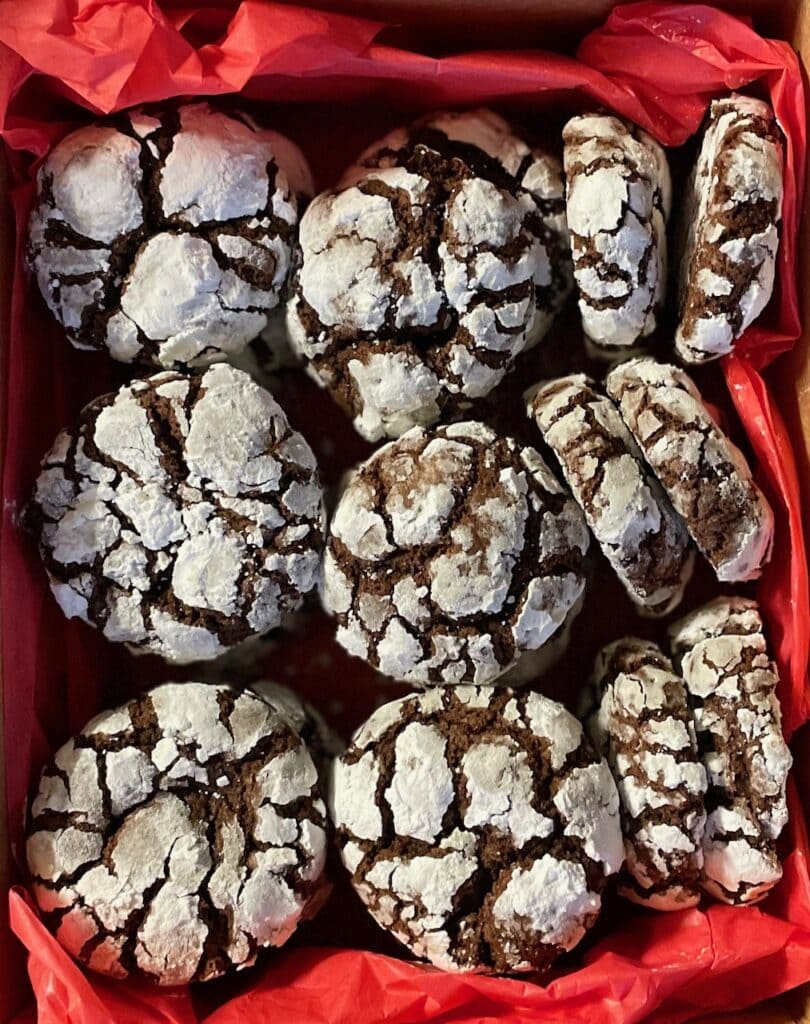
(461, 264)
(618, 200)
(182, 514)
(451, 551)
(704, 474)
(731, 212)
(177, 835)
(478, 826)
(164, 235)
(721, 652)
(644, 540)
(637, 715)
(321, 741)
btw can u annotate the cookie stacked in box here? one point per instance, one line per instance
(177, 835)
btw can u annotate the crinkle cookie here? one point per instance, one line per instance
(322, 742)
(182, 514)
(639, 719)
(164, 235)
(177, 835)
(731, 211)
(618, 202)
(451, 551)
(705, 475)
(478, 826)
(439, 258)
(644, 540)
(722, 654)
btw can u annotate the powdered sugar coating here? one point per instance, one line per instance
(624, 505)
(440, 257)
(182, 515)
(175, 836)
(705, 475)
(165, 237)
(321, 740)
(451, 551)
(637, 715)
(452, 807)
(733, 207)
(618, 202)
(723, 656)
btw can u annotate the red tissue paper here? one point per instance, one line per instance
(659, 64)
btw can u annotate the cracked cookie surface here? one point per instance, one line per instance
(182, 515)
(451, 551)
(721, 652)
(705, 475)
(618, 201)
(164, 235)
(644, 540)
(321, 740)
(637, 715)
(478, 826)
(178, 834)
(439, 258)
(731, 215)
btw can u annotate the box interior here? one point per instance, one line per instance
(607, 612)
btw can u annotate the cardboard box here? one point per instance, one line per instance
(556, 24)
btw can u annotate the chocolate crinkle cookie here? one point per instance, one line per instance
(723, 657)
(706, 476)
(478, 826)
(644, 540)
(177, 835)
(439, 258)
(451, 551)
(182, 514)
(618, 201)
(730, 232)
(639, 719)
(164, 235)
(321, 740)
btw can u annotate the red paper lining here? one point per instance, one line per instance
(658, 64)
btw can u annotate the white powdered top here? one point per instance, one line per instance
(450, 552)
(166, 239)
(732, 210)
(624, 505)
(440, 257)
(705, 475)
(176, 835)
(618, 203)
(723, 657)
(182, 514)
(638, 717)
(321, 740)
(427, 786)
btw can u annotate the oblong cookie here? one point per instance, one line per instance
(722, 655)
(637, 715)
(618, 200)
(643, 539)
(177, 835)
(450, 552)
(704, 473)
(478, 826)
(731, 211)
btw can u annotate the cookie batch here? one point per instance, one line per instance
(481, 822)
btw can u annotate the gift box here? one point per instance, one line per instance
(334, 82)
